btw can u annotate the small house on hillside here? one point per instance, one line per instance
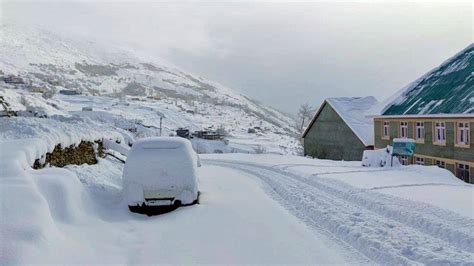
(183, 132)
(12, 79)
(437, 111)
(207, 134)
(69, 92)
(340, 130)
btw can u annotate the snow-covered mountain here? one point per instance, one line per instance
(47, 61)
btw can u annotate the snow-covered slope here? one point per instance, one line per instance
(50, 62)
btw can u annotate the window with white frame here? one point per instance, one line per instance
(404, 159)
(386, 130)
(419, 160)
(403, 129)
(419, 130)
(462, 172)
(440, 132)
(462, 133)
(440, 164)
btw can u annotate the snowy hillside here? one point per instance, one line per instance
(49, 63)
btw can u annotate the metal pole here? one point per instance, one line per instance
(161, 118)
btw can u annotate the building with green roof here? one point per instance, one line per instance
(437, 111)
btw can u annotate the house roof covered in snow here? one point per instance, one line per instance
(447, 89)
(352, 111)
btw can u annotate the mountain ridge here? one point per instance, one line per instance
(48, 60)
(48, 63)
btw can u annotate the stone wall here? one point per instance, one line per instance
(85, 152)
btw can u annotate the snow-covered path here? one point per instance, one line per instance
(386, 229)
(235, 223)
(87, 222)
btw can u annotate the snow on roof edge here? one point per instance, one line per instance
(366, 141)
(467, 115)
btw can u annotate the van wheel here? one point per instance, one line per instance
(196, 201)
(177, 203)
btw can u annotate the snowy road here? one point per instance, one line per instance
(384, 228)
(235, 223)
(82, 218)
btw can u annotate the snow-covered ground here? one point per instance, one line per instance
(374, 210)
(254, 209)
(78, 215)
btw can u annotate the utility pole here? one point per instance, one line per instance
(161, 119)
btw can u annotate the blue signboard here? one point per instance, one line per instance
(403, 147)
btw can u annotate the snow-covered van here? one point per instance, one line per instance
(159, 173)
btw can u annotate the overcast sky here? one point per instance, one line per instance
(280, 53)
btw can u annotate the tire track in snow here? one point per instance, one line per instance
(431, 220)
(438, 222)
(384, 228)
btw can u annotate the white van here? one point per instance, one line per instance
(160, 173)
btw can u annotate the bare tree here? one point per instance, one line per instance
(305, 114)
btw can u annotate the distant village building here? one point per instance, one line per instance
(183, 132)
(437, 111)
(39, 89)
(12, 79)
(7, 111)
(69, 92)
(208, 134)
(340, 130)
